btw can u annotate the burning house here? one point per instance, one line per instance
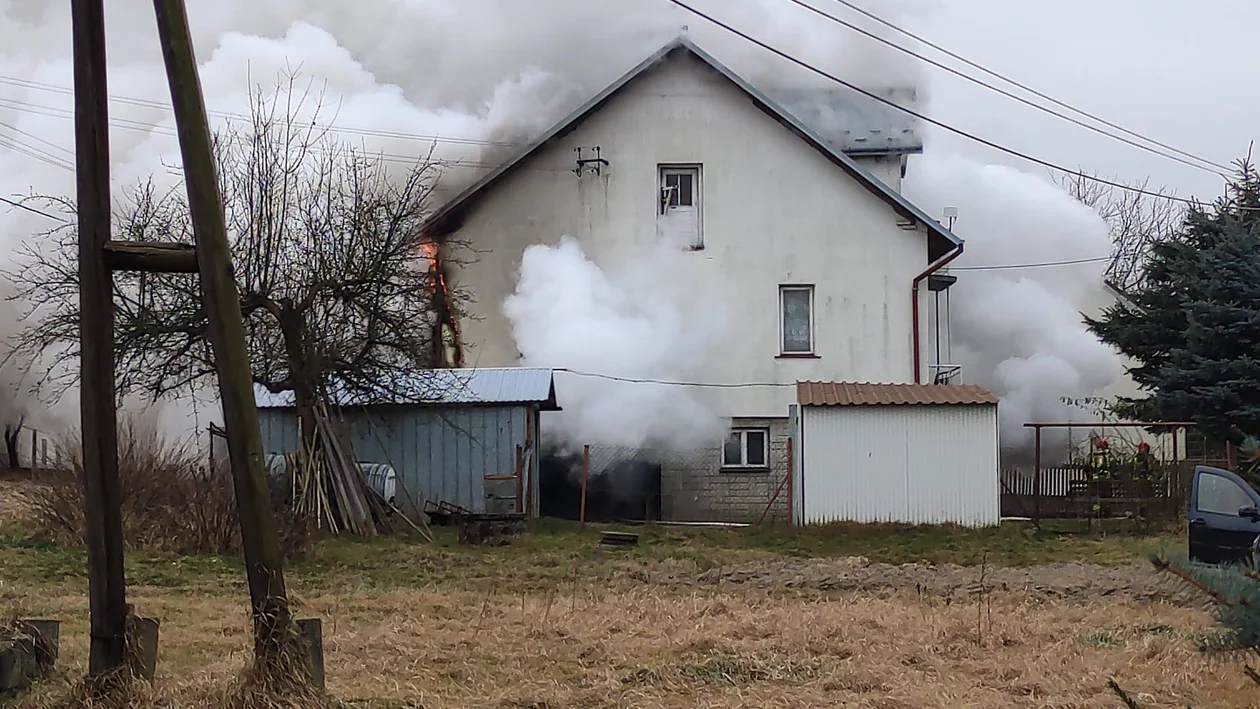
(784, 251)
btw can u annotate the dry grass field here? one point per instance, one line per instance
(837, 617)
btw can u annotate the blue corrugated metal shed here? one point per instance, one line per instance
(468, 425)
(436, 387)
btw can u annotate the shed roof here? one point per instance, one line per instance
(831, 142)
(447, 387)
(861, 394)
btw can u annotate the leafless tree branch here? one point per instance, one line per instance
(1136, 222)
(338, 288)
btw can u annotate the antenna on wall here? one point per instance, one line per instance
(951, 215)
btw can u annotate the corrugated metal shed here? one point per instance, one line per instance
(437, 387)
(854, 394)
(897, 453)
(442, 449)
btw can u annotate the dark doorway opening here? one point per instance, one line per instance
(627, 490)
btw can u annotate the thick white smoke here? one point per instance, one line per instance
(482, 76)
(1019, 331)
(479, 76)
(642, 319)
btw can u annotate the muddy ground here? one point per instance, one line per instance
(1071, 582)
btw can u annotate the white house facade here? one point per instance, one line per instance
(798, 227)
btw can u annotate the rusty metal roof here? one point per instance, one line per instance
(855, 394)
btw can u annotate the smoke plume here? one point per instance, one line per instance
(480, 77)
(640, 319)
(1019, 331)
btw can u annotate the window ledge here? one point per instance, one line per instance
(797, 355)
(726, 470)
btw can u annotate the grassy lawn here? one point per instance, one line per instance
(557, 621)
(554, 551)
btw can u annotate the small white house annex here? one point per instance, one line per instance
(786, 205)
(904, 453)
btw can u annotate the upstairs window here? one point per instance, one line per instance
(796, 322)
(678, 205)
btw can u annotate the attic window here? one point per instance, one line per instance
(678, 189)
(678, 205)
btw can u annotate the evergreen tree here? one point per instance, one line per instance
(1193, 328)
(1193, 331)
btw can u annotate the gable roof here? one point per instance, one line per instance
(500, 386)
(450, 216)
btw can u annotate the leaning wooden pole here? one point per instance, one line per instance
(269, 601)
(107, 592)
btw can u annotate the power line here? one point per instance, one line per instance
(36, 138)
(1214, 169)
(926, 119)
(663, 382)
(141, 126)
(862, 11)
(1042, 264)
(33, 210)
(144, 103)
(24, 149)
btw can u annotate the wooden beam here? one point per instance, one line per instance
(107, 594)
(150, 258)
(273, 621)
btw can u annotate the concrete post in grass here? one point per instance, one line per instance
(143, 634)
(28, 653)
(312, 630)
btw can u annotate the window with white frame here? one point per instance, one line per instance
(796, 320)
(678, 205)
(747, 448)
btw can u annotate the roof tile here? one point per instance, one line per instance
(862, 394)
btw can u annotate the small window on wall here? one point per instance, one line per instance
(747, 448)
(796, 306)
(678, 205)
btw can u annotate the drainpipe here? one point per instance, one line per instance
(933, 267)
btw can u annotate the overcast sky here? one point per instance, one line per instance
(1175, 71)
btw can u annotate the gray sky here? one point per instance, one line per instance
(1172, 70)
(482, 70)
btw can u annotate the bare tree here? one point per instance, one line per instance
(340, 292)
(1136, 221)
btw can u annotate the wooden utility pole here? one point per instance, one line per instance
(107, 591)
(272, 618)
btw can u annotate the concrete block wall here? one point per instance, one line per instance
(699, 489)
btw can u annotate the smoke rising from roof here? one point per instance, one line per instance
(400, 73)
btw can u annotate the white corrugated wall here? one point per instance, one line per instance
(909, 464)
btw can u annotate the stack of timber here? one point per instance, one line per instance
(328, 486)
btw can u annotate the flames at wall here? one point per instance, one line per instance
(447, 348)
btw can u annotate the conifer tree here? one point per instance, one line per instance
(1193, 328)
